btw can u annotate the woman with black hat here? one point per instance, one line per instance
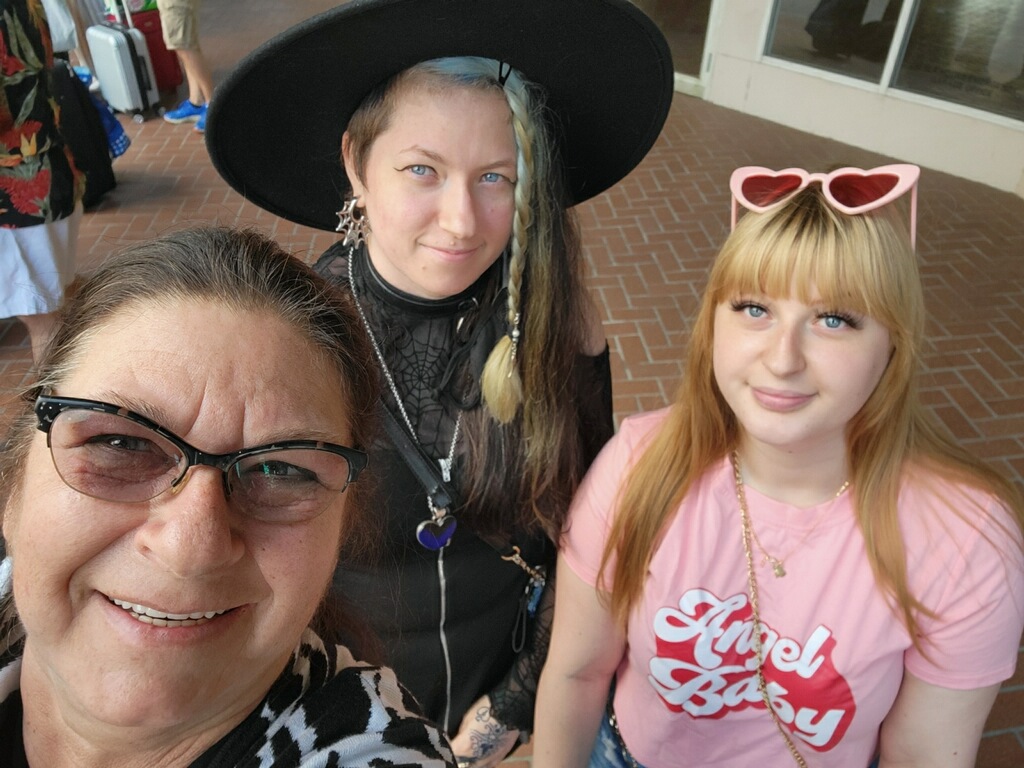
(467, 129)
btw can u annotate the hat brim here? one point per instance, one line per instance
(275, 124)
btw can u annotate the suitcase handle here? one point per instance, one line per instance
(120, 7)
(138, 66)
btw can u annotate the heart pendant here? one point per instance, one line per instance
(435, 534)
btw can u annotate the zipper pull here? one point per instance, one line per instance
(522, 621)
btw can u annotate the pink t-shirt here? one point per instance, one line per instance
(835, 654)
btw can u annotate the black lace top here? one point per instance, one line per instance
(453, 623)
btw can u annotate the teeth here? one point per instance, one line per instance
(148, 615)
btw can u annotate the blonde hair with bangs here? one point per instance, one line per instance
(864, 264)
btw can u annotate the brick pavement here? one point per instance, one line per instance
(650, 241)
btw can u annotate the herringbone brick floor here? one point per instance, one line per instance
(650, 241)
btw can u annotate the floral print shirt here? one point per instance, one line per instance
(38, 178)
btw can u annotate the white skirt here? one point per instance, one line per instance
(36, 264)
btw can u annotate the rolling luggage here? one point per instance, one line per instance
(165, 62)
(123, 67)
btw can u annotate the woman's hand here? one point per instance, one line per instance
(482, 741)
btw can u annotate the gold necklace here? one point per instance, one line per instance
(778, 564)
(755, 612)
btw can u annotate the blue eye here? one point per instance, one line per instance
(492, 178)
(417, 169)
(750, 309)
(836, 320)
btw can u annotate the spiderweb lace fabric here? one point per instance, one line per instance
(513, 699)
(422, 345)
(435, 351)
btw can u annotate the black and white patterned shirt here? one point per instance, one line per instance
(326, 710)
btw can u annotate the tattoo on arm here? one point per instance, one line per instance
(489, 735)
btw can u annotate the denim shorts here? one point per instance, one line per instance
(608, 749)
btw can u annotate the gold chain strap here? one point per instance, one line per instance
(762, 684)
(613, 721)
(535, 574)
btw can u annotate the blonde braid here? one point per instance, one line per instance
(501, 382)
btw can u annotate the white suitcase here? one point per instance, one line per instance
(123, 67)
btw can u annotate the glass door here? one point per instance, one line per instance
(968, 52)
(685, 25)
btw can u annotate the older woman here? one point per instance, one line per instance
(173, 503)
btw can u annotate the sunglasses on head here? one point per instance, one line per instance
(848, 190)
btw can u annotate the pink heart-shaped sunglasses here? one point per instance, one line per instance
(849, 190)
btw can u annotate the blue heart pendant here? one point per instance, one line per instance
(435, 534)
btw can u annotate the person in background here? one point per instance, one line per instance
(792, 564)
(172, 498)
(460, 133)
(40, 188)
(179, 20)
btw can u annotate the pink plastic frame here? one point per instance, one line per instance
(906, 179)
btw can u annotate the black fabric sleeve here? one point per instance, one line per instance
(512, 700)
(594, 385)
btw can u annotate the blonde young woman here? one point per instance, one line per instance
(792, 563)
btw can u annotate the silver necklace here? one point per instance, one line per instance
(435, 532)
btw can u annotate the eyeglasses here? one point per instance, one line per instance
(110, 453)
(849, 190)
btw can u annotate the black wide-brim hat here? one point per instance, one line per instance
(275, 124)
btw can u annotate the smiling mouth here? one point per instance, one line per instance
(148, 615)
(780, 400)
(453, 250)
